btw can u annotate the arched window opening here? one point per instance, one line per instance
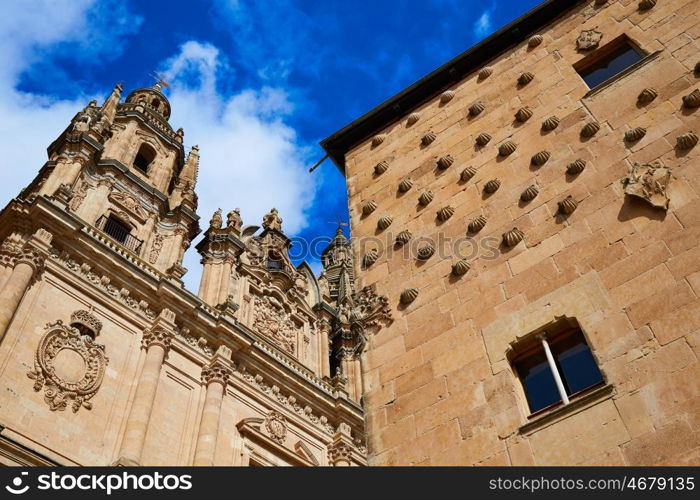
(155, 102)
(144, 158)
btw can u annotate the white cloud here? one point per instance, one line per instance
(482, 26)
(249, 157)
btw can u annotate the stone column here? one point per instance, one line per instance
(156, 341)
(215, 376)
(224, 281)
(340, 451)
(28, 264)
(357, 368)
(323, 328)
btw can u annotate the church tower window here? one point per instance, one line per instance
(144, 158)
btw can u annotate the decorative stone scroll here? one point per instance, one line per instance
(650, 183)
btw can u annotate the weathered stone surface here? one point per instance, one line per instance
(650, 183)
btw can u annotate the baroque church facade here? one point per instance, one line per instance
(105, 357)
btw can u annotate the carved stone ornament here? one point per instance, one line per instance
(370, 257)
(409, 295)
(447, 96)
(647, 95)
(483, 139)
(412, 118)
(157, 336)
(523, 114)
(371, 308)
(274, 322)
(156, 247)
(567, 205)
(534, 41)
(526, 78)
(492, 186)
(272, 220)
(130, 203)
(369, 207)
(507, 148)
(215, 372)
(426, 251)
(588, 40)
(381, 167)
(635, 134)
(445, 213)
(650, 183)
(485, 72)
(428, 138)
(530, 193)
(467, 174)
(385, 222)
(69, 367)
(405, 184)
(460, 267)
(425, 197)
(477, 224)
(692, 100)
(647, 4)
(590, 129)
(378, 139)
(276, 426)
(541, 158)
(476, 109)
(339, 452)
(576, 167)
(513, 237)
(550, 123)
(686, 141)
(87, 320)
(403, 237)
(445, 162)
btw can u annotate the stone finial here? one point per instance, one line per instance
(369, 207)
(646, 96)
(216, 221)
(492, 186)
(483, 139)
(378, 139)
(467, 174)
(385, 222)
(381, 167)
(412, 118)
(234, 221)
(686, 141)
(460, 267)
(405, 184)
(409, 295)
(692, 100)
(567, 205)
(445, 162)
(476, 108)
(530, 193)
(525, 78)
(428, 138)
(523, 114)
(485, 73)
(635, 134)
(576, 167)
(445, 213)
(370, 257)
(272, 221)
(588, 40)
(534, 41)
(447, 96)
(590, 129)
(425, 197)
(647, 4)
(550, 123)
(513, 237)
(426, 251)
(507, 148)
(540, 158)
(403, 237)
(477, 224)
(650, 183)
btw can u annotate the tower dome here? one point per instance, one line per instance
(151, 97)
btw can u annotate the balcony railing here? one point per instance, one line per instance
(119, 233)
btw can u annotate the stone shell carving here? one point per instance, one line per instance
(426, 197)
(276, 426)
(445, 162)
(567, 205)
(590, 129)
(647, 4)
(696, 69)
(370, 257)
(485, 72)
(541, 158)
(507, 148)
(384, 222)
(550, 123)
(534, 41)
(483, 139)
(69, 367)
(686, 141)
(369, 207)
(467, 174)
(647, 95)
(513, 237)
(523, 114)
(378, 139)
(692, 100)
(460, 267)
(492, 186)
(445, 213)
(381, 167)
(476, 108)
(405, 184)
(428, 138)
(409, 295)
(477, 224)
(526, 78)
(403, 237)
(426, 251)
(447, 96)
(576, 167)
(650, 183)
(530, 193)
(412, 118)
(635, 134)
(588, 40)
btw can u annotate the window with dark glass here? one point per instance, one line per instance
(571, 362)
(144, 158)
(608, 61)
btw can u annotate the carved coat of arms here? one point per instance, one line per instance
(650, 183)
(588, 40)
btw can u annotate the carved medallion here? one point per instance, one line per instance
(276, 426)
(649, 182)
(69, 366)
(588, 40)
(273, 321)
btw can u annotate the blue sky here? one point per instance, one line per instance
(257, 84)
